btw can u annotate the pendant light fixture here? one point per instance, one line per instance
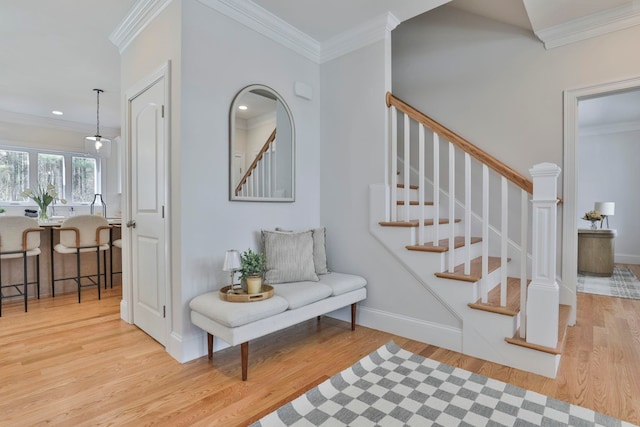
(97, 144)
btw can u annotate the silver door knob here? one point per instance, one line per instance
(131, 224)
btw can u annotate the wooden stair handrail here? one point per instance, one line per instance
(476, 152)
(254, 164)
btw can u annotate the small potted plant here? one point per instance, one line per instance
(2, 211)
(253, 265)
(594, 217)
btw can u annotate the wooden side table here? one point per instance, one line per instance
(596, 249)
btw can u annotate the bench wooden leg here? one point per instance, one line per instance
(244, 351)
(353, 316)
(210, 345)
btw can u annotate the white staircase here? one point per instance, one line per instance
(458, 249)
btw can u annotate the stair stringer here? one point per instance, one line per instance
(483, 333)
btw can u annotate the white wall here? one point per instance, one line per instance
(353, 157)
(605, 174)
(213, 71)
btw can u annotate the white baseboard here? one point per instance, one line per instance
(185, 349)
(416, 329)
(436, 334)
(124, 311)
(627, 259)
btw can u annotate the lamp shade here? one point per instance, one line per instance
(605, 208)
(232, 261)
(97, 146)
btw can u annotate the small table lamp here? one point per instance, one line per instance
(232, 264)
(606, 209)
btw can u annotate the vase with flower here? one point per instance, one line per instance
(594, 217)
(43, 196)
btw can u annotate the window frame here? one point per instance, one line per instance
(67, 180)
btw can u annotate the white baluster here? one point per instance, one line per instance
(272, 170)
(467, 213)
(394, 166)
(524, 232)
(485, 231)
(420, 184)
(503, 242)
(407, 164)
(436, 189)
(452, 205)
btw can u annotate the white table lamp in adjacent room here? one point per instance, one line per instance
(606, 209)
(232, 264)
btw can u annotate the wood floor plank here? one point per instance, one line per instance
(65, 363)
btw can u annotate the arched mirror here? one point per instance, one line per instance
(262, 147)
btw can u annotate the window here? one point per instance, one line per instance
(51, 171)
(26, 168)
(83, 178)
(14, 175)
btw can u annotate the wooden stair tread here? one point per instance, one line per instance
(414, 203)
(493, 299)
(443, 245)
(563, 323)
(476, 270)
(413, 222)
(412, 187)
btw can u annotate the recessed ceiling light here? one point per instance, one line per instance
(57, 113)
(242, 107)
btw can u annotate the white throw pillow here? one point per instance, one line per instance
(289, 257)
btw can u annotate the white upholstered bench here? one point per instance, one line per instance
(292, 303)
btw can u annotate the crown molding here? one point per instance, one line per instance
(593, 25)
(359, 37)
(140, 15)
(264, 22)
(49, 123)
(610, 129)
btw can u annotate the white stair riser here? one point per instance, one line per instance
(488, 283)
(460, 253)
(413, 194)
(414, 211)
(444, 230)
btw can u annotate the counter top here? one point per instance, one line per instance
(56, 222)
(600, 232)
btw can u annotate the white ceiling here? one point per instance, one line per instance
(54, 53)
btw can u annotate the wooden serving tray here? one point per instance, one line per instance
(242, 296)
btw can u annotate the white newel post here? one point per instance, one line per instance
(543, 295)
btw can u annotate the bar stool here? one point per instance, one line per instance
(116, 244)
(81, 234)
(20, 238)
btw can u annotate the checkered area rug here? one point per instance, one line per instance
(623, 284)
(394, 387)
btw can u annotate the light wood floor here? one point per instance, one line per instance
(70, 364)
